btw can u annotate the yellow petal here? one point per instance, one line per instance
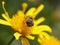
(39, 40)
(41, 28)
(24, 6)
(6, 17)
(30, 12)
(6, 13)
(20, 13)
(30, 37)
(51, 41)
(24, 41)
(46, 35)
(17, 35)
(41, 36)
(38, 10)
(40, 20)
(4, 22)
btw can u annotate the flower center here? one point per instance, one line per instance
(29, 21)
(22, 24)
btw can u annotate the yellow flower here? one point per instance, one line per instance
(51, 41)
(24, 24)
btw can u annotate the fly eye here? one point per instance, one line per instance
(29, 21)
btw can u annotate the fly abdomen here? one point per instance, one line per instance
(29, 21)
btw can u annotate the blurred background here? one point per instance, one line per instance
(51, 12)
